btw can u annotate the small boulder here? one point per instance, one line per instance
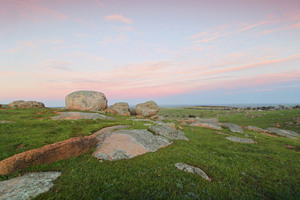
(121, 108)
(27, 186)
(209, 125)
(86, 100)
(26, 104)
(257, 129)
(192, 169)
(240, 140)
(234, 128)
(168, 132)
(147, 109)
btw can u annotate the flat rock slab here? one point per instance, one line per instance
(261, 131)
(168, 132)
(208, 120)
(6, 122)
(234, 128)
(125, 144)
(27, 186)
(192, 169)
(210, 125)
(81, 115)
(285, 133)
(240, 140)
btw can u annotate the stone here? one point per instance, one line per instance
(285, 133)
(221, 133)
(207, 125)
(257, 129)
(125, 144)
(6, 122)
(121, 108)
(147, 109)
(192, 169)
(240, 140)
(168, 132)
(26, 104)
(80, 115)
(208, 120)
(27, 186)
(86, 100)
(48, 154)
(233, 128)
(171, 124)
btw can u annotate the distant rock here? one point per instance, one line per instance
(208, 120)
(86, 100)
(81, 115)
(6, 122)
(234, 128)
(27, 186)
(240, 140)
(209, 125)
(285, 133)
(168, 132)
(171, 124)
(26, 104)
(192, 169)
(257, 129)
(125, 144)
(147, 109)
(120, 108)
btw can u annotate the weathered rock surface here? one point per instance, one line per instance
(125, 144)
(27, 186)
(208, 120)
(234, 128)
(241, 140)
(147, 109)
(121, 108)
(168, 132)
(26, 104)
(209, 125)
(81, 115)
(132, 111)
(257, 129)
(285, 133)
(192, 169)
(48, 154)
(86, 100)
(171, 124)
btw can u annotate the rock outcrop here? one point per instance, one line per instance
(233, 128)
(168, 132)
(27, 186)
(192, 169)
(285, 133)
(240, 140)
(26, 104)
(120, 108)
(147, 109)
(125, 144)
(86, 100)
(81, 115)
(48, 154)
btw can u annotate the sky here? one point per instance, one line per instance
(193, 52)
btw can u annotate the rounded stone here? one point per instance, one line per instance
(86, 100)
(147, 109)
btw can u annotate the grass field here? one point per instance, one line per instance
(265, 170)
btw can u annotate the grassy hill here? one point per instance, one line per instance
(268, 169)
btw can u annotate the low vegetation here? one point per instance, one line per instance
(268, 169)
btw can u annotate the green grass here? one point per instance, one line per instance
(265, 170)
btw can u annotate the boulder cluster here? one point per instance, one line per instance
(96, 101)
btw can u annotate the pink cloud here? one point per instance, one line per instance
(98, 3)
(118, 39)
(118, 17)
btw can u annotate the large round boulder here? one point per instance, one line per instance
(86, 100)
(120, 108)
(26, 104)
(147, 109)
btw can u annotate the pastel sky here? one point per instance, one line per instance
(173, 52)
